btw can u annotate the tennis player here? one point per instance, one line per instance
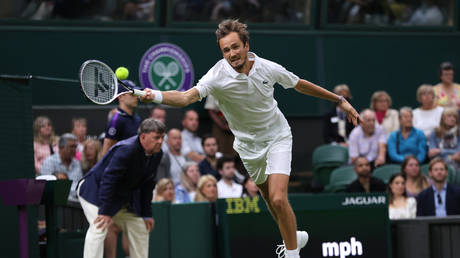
(242, 84)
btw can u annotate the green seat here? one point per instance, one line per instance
(325, 159)
(450, 179)
(341, 178)
(386, 171)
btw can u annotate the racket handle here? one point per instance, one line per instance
(138, 93)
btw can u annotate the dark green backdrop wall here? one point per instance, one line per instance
(397, 62)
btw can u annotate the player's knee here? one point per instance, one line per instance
(278, 201)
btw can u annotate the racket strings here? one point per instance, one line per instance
(98, 83)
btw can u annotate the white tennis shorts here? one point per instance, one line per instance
(262, 158)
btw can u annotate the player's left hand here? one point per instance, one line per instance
(352, 115)
(149, 222)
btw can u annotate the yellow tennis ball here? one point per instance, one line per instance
(122, 73)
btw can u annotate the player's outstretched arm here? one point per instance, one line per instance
(172, 98)
(308, 88)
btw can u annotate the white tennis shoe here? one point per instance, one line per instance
(302, 239)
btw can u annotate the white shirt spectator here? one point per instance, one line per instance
(177, 163)
(407, 212)
(427, 120)
(191, 142)
(361, 145)
(229, 191)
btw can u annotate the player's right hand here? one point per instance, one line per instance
(103, 222)
(149, 96)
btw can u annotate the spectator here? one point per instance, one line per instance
(79, 130)
(441, 199)
(428, 115)
(64, 162)
(191, 143)
(125, 122)
(400, 206)
(164, 191)
(220, 127)
(227, 187)
(386, 117)
(207, 189)
(186, 190)
(336, 127)
(174, 143)
(45, 142)
(163, 170)
(365, 183)
(415, 180)
(92, 150)
(209, 164)
(407, 140)
(447, 92)
(138, 10)
(444, 141)
(427, 14)
(159, 113)
(250, 188)
(368, 139)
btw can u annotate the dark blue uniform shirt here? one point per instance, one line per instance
(124, 177)
(122, 125)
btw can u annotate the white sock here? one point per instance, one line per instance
(292, 253)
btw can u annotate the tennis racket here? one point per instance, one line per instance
(100, 84)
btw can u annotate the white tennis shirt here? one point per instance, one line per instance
(247, 100)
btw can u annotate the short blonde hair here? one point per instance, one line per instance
(424, 89)
(379, 94)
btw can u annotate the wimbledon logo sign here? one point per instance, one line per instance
(166, 66)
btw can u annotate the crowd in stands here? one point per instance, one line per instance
(430, 134)
(391, 12)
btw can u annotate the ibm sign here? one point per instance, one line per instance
(339, 225)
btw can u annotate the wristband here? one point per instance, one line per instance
(340, 99)
(158, 96)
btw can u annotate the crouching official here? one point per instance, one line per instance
(118, 189)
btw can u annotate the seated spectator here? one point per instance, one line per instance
(407, 140)
(428, 115)
(191, 143)
(336, 127)
(209, 164)
(427, 14)
(386, 117)
(45, 142)
(250, 188)
(164, 191)
(444, 141)
(447, 92)
(186, 190)
(174, 150)
(65, 162)
(415, 180)
(92, 153)
(159, 113)
(227, 187)
(365, 183)
(400, 206)
(368, 139)
(79, 130)
(441, 199)
(207, 189)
